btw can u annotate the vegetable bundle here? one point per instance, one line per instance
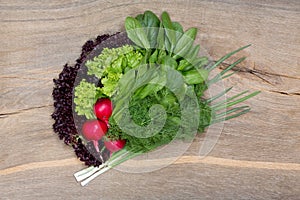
(150, 92)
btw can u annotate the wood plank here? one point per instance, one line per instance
(238, 139)
(49, 44)
(202, 181)
(256, 156)
(29, 137)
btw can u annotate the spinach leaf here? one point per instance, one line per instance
(140, 18)
(177, 27)
(195, 76)
(200, 62)
(175, 82)
(151, 22)
(161, 55)
(169, 61)
(153, 57)
(183, 64)
(178, 30)
(136, 33)
(160, 41)
(169, 30)
(184, 44)
(193, 53)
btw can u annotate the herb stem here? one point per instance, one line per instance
(229, 99)
(90, 171)
(226, 56)
(218, 95)
(86, 181)
(120, 159)
(217, 120)
(83, 174)
(86, 170)
(227, 112)
(220, 107)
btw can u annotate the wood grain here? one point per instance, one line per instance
(256, 156)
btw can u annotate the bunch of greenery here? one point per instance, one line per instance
(156, 86)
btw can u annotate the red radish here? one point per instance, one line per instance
(115, 145)
(94, 129)
(103, 109)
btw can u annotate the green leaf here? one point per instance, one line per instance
(161, 55)
(199, 90)
(195, 76)
(152, 23)
(148, 89)
(193, 53)
(136, 33)
(111, 64)
(200, 62)
(160, 42)
(169, 61)
(177, 87)
(150, 19)
(192, 33)
(125, 84)
(146, 57)
(151, 80)
(197, 63)
(167, 23)
(178, 30)
(169, 30)
(168, 45)
(140, 18)
(177, 27)
(185, 43)
(153, 57)
(183, 64)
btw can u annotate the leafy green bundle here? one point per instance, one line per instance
(156, 86)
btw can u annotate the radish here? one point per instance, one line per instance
(103, 109)
(94, 130)
(115, 145)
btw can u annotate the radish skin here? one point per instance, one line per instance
(103, 109)
(94, 129)
(115, 145)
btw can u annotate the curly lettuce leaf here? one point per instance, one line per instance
(86, 95)
(111, 64)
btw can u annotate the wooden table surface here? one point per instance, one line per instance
(257, 155)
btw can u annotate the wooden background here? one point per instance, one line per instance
(256, 157)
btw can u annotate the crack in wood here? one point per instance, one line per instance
(256, 71)
(259, 74)
(285, 93)
(4, 115)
